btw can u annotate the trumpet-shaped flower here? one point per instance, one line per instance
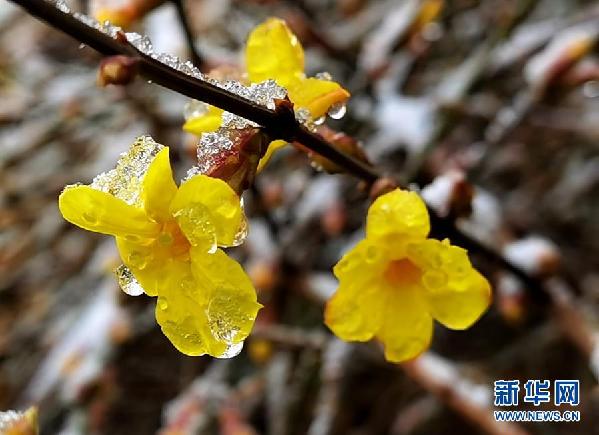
(168, 238)
(273, 52)
(396, 281)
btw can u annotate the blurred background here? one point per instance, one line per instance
(501, 93)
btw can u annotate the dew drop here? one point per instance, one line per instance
(195, 221)
(319, 121)
(90, 218)
(137, 260)
(162, 304)
(324, 76)
(242, 232)
(127, 281)
(227, 209)
(132, 238)
(337, 110)
(165, 238)
(434, 280)
(372, 254)
(231, 351)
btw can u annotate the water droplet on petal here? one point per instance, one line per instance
(373, 254)
(227, 209)
(231, 351)
(137, 260)
(162, 303)
(434, 280)
(90, 218)
(127, 281)
(195, 221)
(337, 110)
(242, 232)
(132, 238)
(319, 121)
(324, 76)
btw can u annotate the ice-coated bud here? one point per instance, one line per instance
(534, 254)
(237, 164)
(450, 194)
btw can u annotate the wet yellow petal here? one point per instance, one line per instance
(181, 312)
(232, 307)
(407, 326)
(101, 212)
(397, 213)
(274, 52)
(317, 95)
(272, 147)
(147, 262)
(457, 294)
(121, 17)
(206, 123)
(205, 208)
(158, 187)
(354, 312)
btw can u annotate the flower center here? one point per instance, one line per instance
(402, 272)
(172, 238)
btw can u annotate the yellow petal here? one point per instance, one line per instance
(457, 294)
(181, 312)
(274, 52)
(146, 262)
(316, 95)
(101, 212)
(354, 312)
(158, 187)
(429, 11)
(397, 213)
(121, 17)
(205, 206)
(407, 327)
(231, 298)
(206, 123)
(272, 147)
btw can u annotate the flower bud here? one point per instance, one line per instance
(450, 194)
(117, 70)
(237, 165)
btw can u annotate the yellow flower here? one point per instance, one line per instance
(168, 239)
(396, 281)
(274, 52)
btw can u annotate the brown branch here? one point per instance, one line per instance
(278, 124)
(442, 379)
(196, 58)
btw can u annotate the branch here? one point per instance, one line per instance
(196, 58)
(278, 124)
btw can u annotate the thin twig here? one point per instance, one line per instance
(196, 58)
